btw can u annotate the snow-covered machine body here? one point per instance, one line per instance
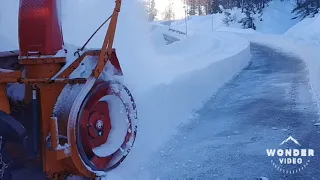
(76, 117)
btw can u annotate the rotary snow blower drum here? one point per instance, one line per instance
(76, 117)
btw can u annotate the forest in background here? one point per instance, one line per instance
(251, 9)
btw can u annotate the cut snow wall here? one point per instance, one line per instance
(308, 30)
(163, 108)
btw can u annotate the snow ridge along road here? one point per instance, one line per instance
(268, 101)
(190, 75)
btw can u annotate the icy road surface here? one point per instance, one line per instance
(258, 109)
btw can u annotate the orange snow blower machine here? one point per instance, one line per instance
(74, 115)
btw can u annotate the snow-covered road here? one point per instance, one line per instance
(268, 101)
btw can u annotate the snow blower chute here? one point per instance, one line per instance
(76, 117)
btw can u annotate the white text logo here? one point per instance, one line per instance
(290, 160)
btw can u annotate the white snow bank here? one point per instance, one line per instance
(308, 30)
(309, 53)
(184, 56)
(167, 105)
(165, 29)
(276, 18)
(192, 46)
(156, 35)
(203, 24)
(236, 30)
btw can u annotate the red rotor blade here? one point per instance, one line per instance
(101, 162)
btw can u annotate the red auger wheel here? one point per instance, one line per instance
(104, 126)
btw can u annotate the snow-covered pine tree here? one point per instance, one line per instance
(208, 7)
(199, 7)
(259, 6)
(227, 19)
(168, 13)
(196, 7)
(306, 8)
(215, 6)
(247, 22)
(192, 7)
(152, 11)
